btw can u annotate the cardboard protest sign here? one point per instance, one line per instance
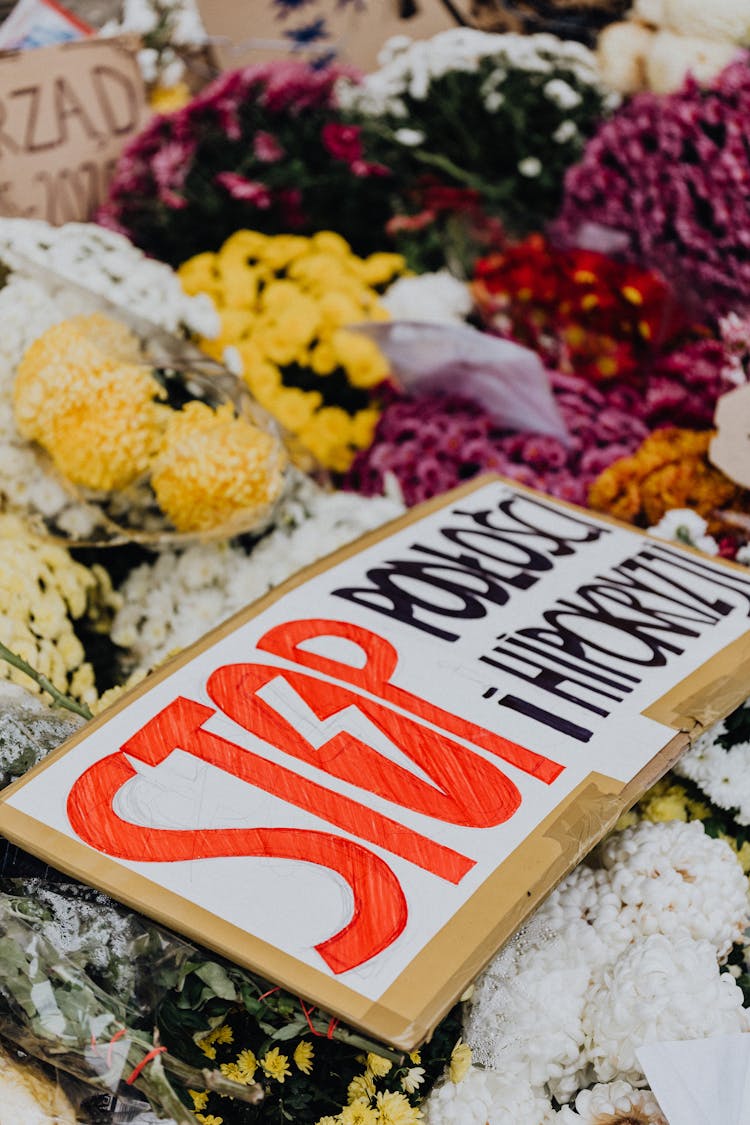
(243, 34)
(362, 784)
(66, 113)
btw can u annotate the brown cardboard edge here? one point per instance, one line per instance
(127, 43)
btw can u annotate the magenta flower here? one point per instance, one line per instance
(248, 191)
(673, 173)
(266, 148)
(343, 142)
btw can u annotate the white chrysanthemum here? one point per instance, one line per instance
(587, 896)
(613, 1103)
(437, 297)
(723, 775)
(683, 525)
(170, 603)
(672, 878)
(108, 264)
(525, 1019)
(486, 1098)
(661, 989)
(409, 67)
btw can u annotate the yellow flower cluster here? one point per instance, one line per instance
(215, 470)
(43, 591)
(81, 394)
(670, 469)
(284, 302)
(369, 1106)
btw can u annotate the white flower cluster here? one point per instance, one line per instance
(613, 1102)
(683, 525)
(723, 774)
(619, 955)
(170, 603)
(176, 23)
(108, 264)
(439, 297)
(407, 68)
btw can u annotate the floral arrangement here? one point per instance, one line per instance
(620, 954)
(431, 443)
(582, 311)
(44, 593)
(263, 148)
(531, 101)
(670, 174)
(284, 302)
(669, 470)
(82, 393)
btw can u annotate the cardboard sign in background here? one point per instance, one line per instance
(66, 113)
(362, 785)
(244, 34)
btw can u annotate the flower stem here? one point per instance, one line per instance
(58, 699)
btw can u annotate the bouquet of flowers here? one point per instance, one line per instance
(284, 302)
(265, 147)
(503, 115)
(582, 311)
(670, 173)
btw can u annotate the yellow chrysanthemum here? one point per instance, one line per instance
(199, 274)
(275, 1065)
(377, 1065)
(358, 1113)
(200, 1098)
(247, 1064)
(283, 249)
(295, 408)
(209, 1119)
(214, 470)
(365, 364)
(363, 427)
(460, 1061)
(244, 247)
(96, 416)
(168, 99)
(323, 358)
(395, 1109)
(327, 1121)
(381, 268)
(337, 309)
(328, 436)
(110, 336)
(221, 1034)
(415, 1057)
(330, 242)
(361, 1088)
(303, 1056)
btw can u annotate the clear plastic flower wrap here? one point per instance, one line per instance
(137, 433)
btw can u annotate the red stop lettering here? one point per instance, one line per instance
(379, 914)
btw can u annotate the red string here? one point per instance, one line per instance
(308, 1012)
(112, 1042)
(269, 993)
(144, 1061)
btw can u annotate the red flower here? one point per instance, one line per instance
(247, 191)
(343, 142)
